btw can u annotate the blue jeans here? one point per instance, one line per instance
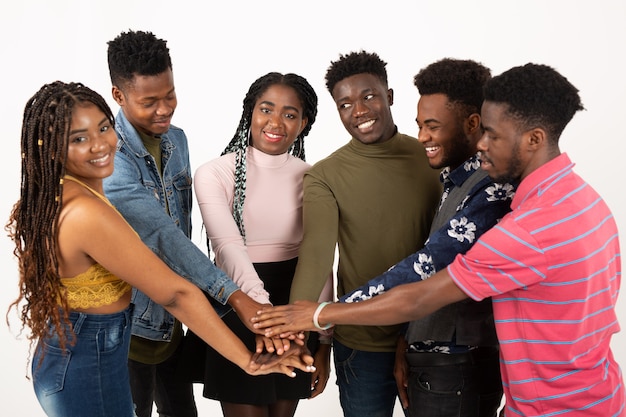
(367, 387)
(89, 378)
(472, 388)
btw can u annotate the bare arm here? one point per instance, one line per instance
(94, 229)
(401, 304)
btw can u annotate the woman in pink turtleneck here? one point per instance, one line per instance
(251, 204)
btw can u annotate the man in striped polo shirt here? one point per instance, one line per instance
(551, 266)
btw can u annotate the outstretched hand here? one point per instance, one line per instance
(298, 357)
(283, 321)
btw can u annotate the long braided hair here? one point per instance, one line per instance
(33, 224)
(239, 142)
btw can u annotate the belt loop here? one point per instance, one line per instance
(79, 322)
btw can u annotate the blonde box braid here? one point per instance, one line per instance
(240, 141)
(33, 224)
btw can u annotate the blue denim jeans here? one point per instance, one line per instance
(89, 378)
(367, 387)
(472, 389)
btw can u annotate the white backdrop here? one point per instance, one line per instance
(218, 50)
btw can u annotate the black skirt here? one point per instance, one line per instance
(225, 381)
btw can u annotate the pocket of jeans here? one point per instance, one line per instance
(343, 354)
(49, 375)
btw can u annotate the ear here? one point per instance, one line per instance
(536, 139)
(118, 95)
(305, 121)
(390, 96)
(472, 124)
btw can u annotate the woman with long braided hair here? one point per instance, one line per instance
(79, 259)
(251, 204)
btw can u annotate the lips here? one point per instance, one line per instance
(102, 160)
(366, 125)
(432, 150)
(484, 161)
(273, 137)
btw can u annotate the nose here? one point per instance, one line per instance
(164, 108)
(359, 109)
(482, 142)
(274, 119)
(99, 144)
(422, 135)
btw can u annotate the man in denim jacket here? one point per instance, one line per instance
(151, 188)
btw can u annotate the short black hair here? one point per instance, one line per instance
(136, 53)
(537, 96)
(462, 81)
(355, 63)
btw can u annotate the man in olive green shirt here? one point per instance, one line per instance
(375, 198)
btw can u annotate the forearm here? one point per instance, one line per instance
(401, 304)
(193, 309)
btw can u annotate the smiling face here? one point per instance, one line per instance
(277, 120)
(148, 102)
(442, 132)
(502, 146)
(364, 105)
(91, 147)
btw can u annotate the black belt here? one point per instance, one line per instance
(424, 359)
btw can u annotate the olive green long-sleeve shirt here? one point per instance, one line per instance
(376, 202)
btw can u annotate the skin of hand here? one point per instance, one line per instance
(401, 371)
(246, 308)
(271, 344)
(298, 357)
(319, 377)
(401, 304)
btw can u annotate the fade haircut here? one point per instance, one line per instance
(536, 96)
(136, 53)
(240, 141)
(462, 81)
(355, 63)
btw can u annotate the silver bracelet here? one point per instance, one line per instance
(317, 314)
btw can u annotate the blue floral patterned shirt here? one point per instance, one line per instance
(485, 204)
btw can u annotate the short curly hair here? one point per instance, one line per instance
(355, 63)
(462, 81)
(536, 96)
(136, 53)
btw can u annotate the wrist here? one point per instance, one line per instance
(316, 316)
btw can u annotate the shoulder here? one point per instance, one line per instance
(221, 167)
(83, 210)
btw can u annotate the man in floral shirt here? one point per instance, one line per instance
(447, 363)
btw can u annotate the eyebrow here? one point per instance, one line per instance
(155, 97)
(269, 103)
(365, 91)
(103, 121)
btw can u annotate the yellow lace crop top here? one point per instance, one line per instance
(96, 286)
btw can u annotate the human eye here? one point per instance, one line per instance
(78, 139)
(369, 97)
(343, 106)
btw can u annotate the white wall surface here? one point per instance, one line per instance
(218, 50)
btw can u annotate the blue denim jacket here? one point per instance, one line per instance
(139, 194)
